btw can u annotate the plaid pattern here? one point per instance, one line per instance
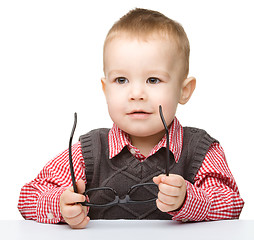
(213, 196)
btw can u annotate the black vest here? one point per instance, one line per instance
(124, 170)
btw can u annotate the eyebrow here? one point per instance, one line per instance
(165, 74)
(152, 72)
(117, 72)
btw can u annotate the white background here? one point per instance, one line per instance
(51, 65)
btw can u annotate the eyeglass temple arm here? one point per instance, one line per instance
(167, 135)
(70, 155)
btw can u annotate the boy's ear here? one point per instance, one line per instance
(188, 87)
(103, 83)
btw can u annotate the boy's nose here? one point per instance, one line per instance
(137, 92)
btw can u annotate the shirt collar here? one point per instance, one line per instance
(118, 139)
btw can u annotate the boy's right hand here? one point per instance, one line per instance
(74, 213)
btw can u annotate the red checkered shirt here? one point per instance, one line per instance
(213, 196)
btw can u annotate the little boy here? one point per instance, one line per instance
(146, 64)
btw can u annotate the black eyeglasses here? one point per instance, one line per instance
(106, 196)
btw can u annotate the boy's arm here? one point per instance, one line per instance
(214, 195)
(39, 199)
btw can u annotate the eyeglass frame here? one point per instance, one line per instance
(127, 199)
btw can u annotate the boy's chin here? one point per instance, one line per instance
(138, 133)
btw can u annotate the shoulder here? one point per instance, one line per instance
(95, 132)
(94, 139)
(191, 133)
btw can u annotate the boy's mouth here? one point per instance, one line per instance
(139, 114)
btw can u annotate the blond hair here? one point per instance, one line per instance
(143, 23)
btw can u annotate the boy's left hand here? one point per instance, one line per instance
(172, 192)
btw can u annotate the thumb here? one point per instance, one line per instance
(158, 179)
(81, 186)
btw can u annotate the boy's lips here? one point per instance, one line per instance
(139, 114)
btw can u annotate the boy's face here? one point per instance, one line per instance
(140, 76)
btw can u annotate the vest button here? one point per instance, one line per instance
(133, 152)
(193, 130)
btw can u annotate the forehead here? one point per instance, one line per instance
(125, 49)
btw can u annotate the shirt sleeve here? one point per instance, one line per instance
(214, 194)
(39, 200)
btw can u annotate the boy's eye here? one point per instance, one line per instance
(153, 80)
(121, 80)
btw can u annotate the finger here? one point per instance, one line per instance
(70, 197)
(71, 211)
(173, 180)
(73, 221)
(81, 186)
(169, 190)
(156, 180)
(164, 207)
(82, 224)
(85, 209)
(169, 200)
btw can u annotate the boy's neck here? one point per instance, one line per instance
(146, 144)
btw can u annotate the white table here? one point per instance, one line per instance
(130, 229)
